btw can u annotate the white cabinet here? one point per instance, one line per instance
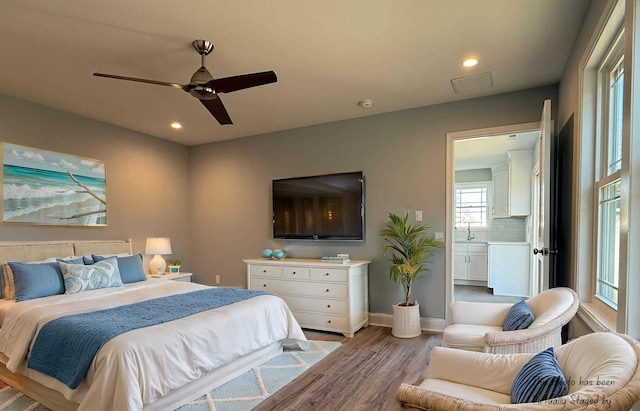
(321, 295)
(509, 268)
(500, 208)
(470, 262)
(512, 186)
(519, 182)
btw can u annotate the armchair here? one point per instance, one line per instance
(477, 326)
(601, 370)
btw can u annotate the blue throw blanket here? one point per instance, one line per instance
(65, 347)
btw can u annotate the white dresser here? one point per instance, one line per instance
(322, 295)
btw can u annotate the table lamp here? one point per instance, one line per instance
(158, 246)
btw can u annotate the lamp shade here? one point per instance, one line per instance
(158, 246)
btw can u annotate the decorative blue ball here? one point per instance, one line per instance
(267, 253)
(278, 254)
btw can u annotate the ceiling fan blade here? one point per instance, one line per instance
(216, 108)
(234, 83)
(141, 80)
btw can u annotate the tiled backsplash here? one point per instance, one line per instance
(502, 229)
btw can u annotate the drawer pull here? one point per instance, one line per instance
(264, 271)
(264, 285)
(327, 274)
(294, 273)
(328, 290)
(328, 305)
(329, 322)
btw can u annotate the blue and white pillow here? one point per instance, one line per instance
(78, 277)
(540, 379)
(519, 317)
(130, 267)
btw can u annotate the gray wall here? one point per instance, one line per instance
(214, 200)
(472, 176)
(569, 88)
(402, 155)
(147, 178)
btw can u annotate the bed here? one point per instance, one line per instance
(158, 367)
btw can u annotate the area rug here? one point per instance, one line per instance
(240, 394)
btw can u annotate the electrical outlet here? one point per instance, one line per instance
(217, 279)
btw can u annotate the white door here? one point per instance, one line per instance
(542, 189)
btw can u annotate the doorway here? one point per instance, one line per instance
(480, 216)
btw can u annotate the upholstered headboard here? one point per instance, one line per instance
(41, 250)
(102, 247)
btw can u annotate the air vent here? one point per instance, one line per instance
(472, 84)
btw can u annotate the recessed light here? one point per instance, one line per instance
(176, 125)
(470, 62)
(366, 103)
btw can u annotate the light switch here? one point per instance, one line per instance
(418, 215)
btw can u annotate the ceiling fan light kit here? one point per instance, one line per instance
(206, 88)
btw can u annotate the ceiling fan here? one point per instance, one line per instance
(205, 88)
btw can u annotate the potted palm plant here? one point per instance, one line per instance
(408, 249)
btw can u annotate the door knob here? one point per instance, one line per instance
(544, 251)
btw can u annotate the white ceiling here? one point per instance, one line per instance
(328, 55)
(485, 152)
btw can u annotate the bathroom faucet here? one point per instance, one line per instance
(469, 235)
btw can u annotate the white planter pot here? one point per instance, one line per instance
(406, 321)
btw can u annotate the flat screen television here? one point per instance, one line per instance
(325, 207)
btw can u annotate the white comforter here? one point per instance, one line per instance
(140, 366)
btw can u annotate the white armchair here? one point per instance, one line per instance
(477, 326)
(601, 370)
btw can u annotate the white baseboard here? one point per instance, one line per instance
(426, 324)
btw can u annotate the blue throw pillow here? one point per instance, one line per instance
(540, 379)
(130, 267)
(519, 317)
(79, 277)
(87, 260)
(76, 260)
(2, 281)
(36, 280)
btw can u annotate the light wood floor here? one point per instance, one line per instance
(363, 374)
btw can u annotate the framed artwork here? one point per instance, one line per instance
(45, 187)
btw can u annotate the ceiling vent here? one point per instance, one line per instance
(472, 84)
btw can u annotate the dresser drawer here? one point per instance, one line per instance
(266, 271)
(321, 321)
(318, 305)
(299, 288)
(329, 274)
(295, 273)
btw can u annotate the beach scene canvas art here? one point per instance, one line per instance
(45, 187)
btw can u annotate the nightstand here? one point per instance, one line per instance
(186, 277)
